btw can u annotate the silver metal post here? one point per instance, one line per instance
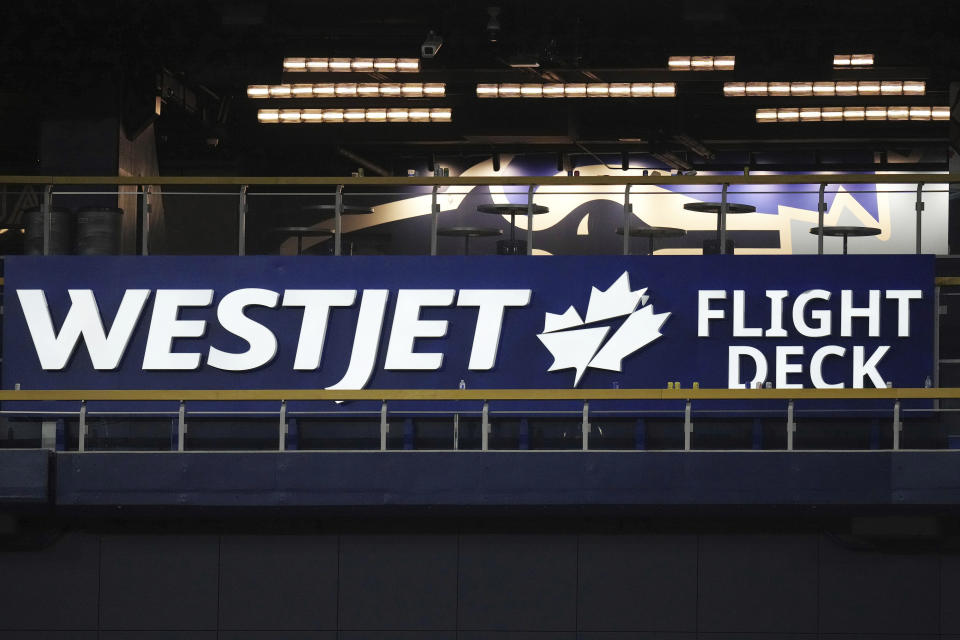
(530, 220)
(936, 343)
(145, 222)
(181, 426)
(897, 425)
(456, 431)
(791, 426)
(626, 220)
(585, 426)
(82, 427)
(687, 427)
(337, 219)
(46, 213)
(485, 427)
(821, 211)
(242, 222)
(384, 426)
(283, 425)
(434, 219)
(722, 222)
(919, 208)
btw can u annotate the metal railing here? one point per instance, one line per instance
(686, 396)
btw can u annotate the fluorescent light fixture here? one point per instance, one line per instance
(825, 89)
(258, 91)
(853, 114)
(411, 90)
(390, 89)
(375, 114)
(368, 90)
(701, 63)
(280, 91)
(302, 90)
(847, 60)
(327, 90)
(355, 65)
(578, 90)
(435, 89)
(348, 90)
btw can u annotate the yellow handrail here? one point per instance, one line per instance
(828, 178)
(474, 394)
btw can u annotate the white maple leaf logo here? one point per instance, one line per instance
(579, 348)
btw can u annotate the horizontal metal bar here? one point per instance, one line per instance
(833, 178)
(473, 394)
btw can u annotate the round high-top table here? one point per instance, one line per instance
(512, 210)
(846, 232)
(304, 232)
(653, 232)
(469, 232)
(714, 208)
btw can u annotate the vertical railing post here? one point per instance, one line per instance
(626, 220)
(384, 426)
(456, 431)
(145, 220)
(821, 212)
(46, 213)
(242, 222)
(791, 425)
(687, 427)
(936, 343)
(530, 220)
(919, 208)
(485, 427)
(282, 445)
(181, 426)
(337, 219)
(434, 219)
(897, 425)
(585, 426)
(722, 223)
(82, 427)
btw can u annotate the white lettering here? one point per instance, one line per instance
(816, 366)
(491, 303)
(868, 369)
(705, 313)
(776, 329)
(373, 305)
(871, 312)
(733, 368)
(903, 298)
(262, 343)
(316, 305)
(739, 313)
(785, 368)
(822, 316)
(164, 327)
(407, 327)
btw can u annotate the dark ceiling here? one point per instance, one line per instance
(77, 59)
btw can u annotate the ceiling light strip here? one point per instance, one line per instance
(375, 114)
(349, 90)
(352, 65)
(852, 60)
(579, 90)
(826, 89)
(701, 63)
(853, 114)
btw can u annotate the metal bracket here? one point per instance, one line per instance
(626, 220)
(687, 427)
(181, 426)
(791, 425)
(919, 209)
(585, 426)
(530, 220)
(46, 213)
(337, 219)
(283, 426)
(897, 426)
(242, 222)
(384, 426)
(722, 222)
(485, 427)
(434, 219)
(456, 431)
(82, 427)
(821, 211)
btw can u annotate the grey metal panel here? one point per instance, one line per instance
(277, 635)
(514, 582)
(281, 582)
(69, 634)
(54, 589)
(517, 635)
(758, 583)
(638, 583)
(950, 594)
(639, 635)
(398, 582)
(398, 635)
(141, 634)
(155, 582)
(868, 591)
(24, 476)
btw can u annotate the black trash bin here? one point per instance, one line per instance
(98, 231)
(61, 231)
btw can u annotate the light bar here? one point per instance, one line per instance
(701, 63)
(349, 90)
(376, 114)
(853, 60)
(850, 114)
(355, 65)
(821, 89)
(579, 90)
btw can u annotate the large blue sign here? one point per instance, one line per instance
(489, 321)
